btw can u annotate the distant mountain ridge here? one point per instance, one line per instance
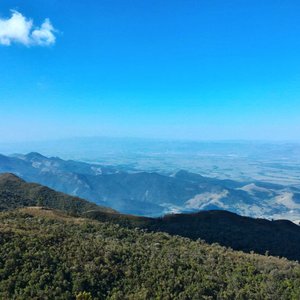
(154, 194)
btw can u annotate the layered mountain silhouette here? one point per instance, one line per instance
(278, 238)
(154, 194)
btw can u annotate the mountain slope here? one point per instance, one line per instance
(278, 238)
(15, 193)
(47, 255)
(225, 228)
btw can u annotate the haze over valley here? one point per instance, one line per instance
(275, 162)
(153, 178)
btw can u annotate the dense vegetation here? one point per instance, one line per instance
(54, 246)
(228, 229)
(45, 254)
(278, 238)
(15, 192)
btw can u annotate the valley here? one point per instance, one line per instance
(149, 193)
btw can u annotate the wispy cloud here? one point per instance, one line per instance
(19, 29)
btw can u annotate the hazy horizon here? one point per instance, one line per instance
(277, 162)
(164, 139)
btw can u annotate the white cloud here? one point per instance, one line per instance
(44, 35)
(19, 29)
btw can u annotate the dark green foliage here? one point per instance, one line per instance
(14, 193)
(279, 238)
(48, 255)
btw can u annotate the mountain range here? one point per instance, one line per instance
(155, 194)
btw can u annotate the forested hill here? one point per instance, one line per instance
(45, 254)
(52, 247)
(278, 238)
(15, 193)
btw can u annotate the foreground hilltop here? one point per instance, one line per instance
(46, 254)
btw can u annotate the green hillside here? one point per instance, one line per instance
(15, 193)
(54, 246)
(45, 254)
(226, 228)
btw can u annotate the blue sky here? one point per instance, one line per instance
(160, 69)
